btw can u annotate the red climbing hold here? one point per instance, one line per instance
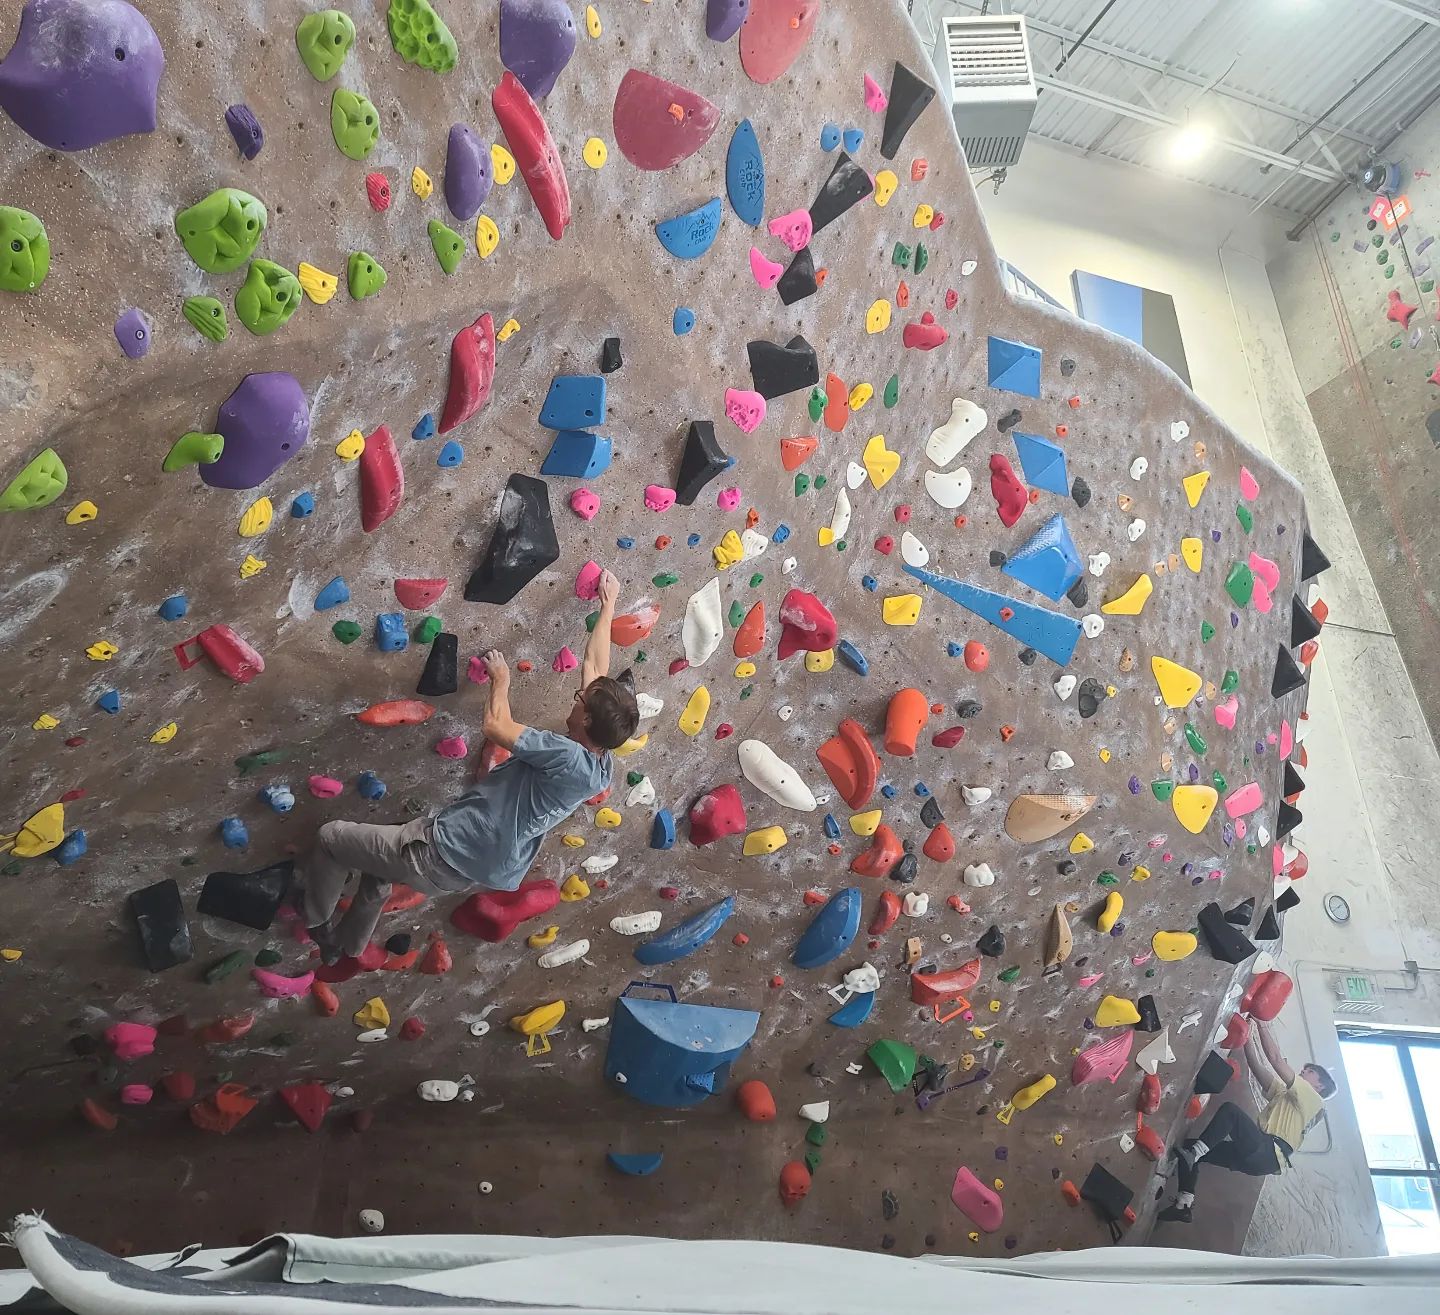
(491, 756)
(402, 897)
(880, 859)
(717, 814)
(940, 844)
(1005, 487)
(472, 372)
(795, 452)
(222, 1111)
(902, 295)
(1148, 1101)
(382, 481)
(837, 403)
(814, 897)
(794, 1177)
(738, 939)
(596, 800)
(679, 665)
(952, 298)
(308, 1102)
(924, 334)
(885, 544)
(1237, 1032)
(755, 1101)
(977, 656)
(750, 638)
(493, 914)
(412, 1029)
(658, 123)
(1398, 310)
(179, 1085)
(226, 650)
(397, 712)
(902, 513)
(534, 151)
(905, 718)
(377, 188)
(326, 1001)
(771, 39)
(400, 963)
(944, 988)
(805, 623)
(417, 595)
(437, 958)
(851, 763)
(224, 1030)
(1266, 995)
(631, 627)
(96, 1114)
(1149, 1141)
(886, 913)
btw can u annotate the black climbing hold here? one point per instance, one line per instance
(522, 546)
(992, 943)
(887, 1242)
(1008, 421)
(399, 943)
(1294, 782)
(1312, 558)
(798, 281)
(610, 360)
(1303, 625)
(1288, 677)
(1079, 594)
(700, 462)
(1286, 900)
(1242, 914)
(1027, 656)
(1225, 942)
(909, 95)
(1269, 928)
(1149, 1014)
(968, 708)
(627, 678)
(84, 1046)
(160, 920)
(1067, 366)
(1214, 1075)
(1091, 695)
(779, 370)
(997, 558)
(1080, 491)
(1066, 867)
(847, 186)
(889, 1206)
(930, 814)
(250, 898)
(815, 1069)
(441, 674)
(1110, 1197)
(906, 870)
(1287, 820)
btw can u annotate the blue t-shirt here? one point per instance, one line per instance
(491, 834)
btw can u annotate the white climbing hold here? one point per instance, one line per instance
(1138, 467)
(480, 1028)
(948, 490)
(1127, 1142)
(855, 475)
(1156, 1053)
(1098, 562)
(1064, 687)
(785, 712)
(1179, 429)
(976, 794)
(917, 903)
(641, 794)
(563, 954)
(1190, 1020)
(862, 980)
(372, 1221)
(949, 440)
(636, 924)
(1092, 623)
(854, 1069)
(485, 1188)
(839, 522)
(1135, 529)
(818, 1112)
(788, 565)
(649, 706)
(373, 1035)
(912, 550)
(594, 1024)
(598, 863)
(767, 771)
(438, 1090)
(1060, 761)
(968, 267)
(979, 875)
(752, 545)
(703, 628)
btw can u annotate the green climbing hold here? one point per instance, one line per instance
(634, 778)
(816, 403)
(840, 545)
(221, 232)
(1162, 790)
(1240, 584)
(812, 1160)
(900, 256)
(269, 296)
(746, 692)
(1335, 236)
(420, 36)
(1197, 741)
(802, 484)
(24, 250)
(892, 391)
(735, 615)
(820, 482)
(448, 245)
(324, 39)
(757, 579)
(1207, 632)
(1231, 682)
(354, 123)
(347, 632)
(38, 485)
(1377, 240)
(1396, 342)
(366, 275)
(641, 655)
(1427, 285)
(1389, 271)
(817, 1135)
(253, 762)
(1010, 974)
(922, 257)
(426, 631)
(664, 580)
(1218, 782)
(267, 958)
(1242, 514)
(193, 449)
(11, 869)
(207, 316)
(590, 622)
(896, 1062)
(222, 968)
(1107, 879)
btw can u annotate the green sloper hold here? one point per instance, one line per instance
(1242, 514)
(347, 632)
(922, 257)
(896, 1062)
(221, 232)
(1162, 790)
(354, 123)
(448, 245)
(24, 250)
(207, 316)
(1240, 584)
(324, 39)
(1197, 741)
(1010, 974)
(1231, 682)
(366, 275)
(892, 391)
(193, 449)
(1207, 632)
(38, 485)
(269, 296)
(420, 36)
(253, 762)
(426, 631)
(736, 614)
(222, 968)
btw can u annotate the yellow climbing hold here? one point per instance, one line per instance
(885, 184)
(351, 446)
(251, 566)
(633, 745)
(1080, 843)
(692, 720)
(901, 609)
(318, 285)
(487, 236)
(1104, 755)
(420, 183)
(573, 841)
(1173, 945)
(592, 21)
(508, 330)
(821, 661)
(1027, 1096)
(1195, 486)
(880, 463)
(864, 824)
(765, 841)
(81, 512)
(923, 215)
(1110, 915)
(257, 518)
(11, 956)
(1114, 1011)
(859, 395)
(102, 650)
(745, 670)
(1178, 685)
(502, 164)
(536, 1024)
(1193, 805)
(1132, 601)
(728, 551)
(595, 153)
(540, 939)
(39, 834)
(372, 1015)
(607, 819)
(1005, 1113)
(1193, 551)
(877, 318)
(575, 888)
(165, 734)
(1140, 873)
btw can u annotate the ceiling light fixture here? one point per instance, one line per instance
(1191, 142)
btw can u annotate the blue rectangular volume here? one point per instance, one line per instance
(577, 455)
(1015, 367)
(575, 401)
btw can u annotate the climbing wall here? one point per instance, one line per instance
(992, 619)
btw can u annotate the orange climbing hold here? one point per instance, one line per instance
(940, 844)
(326, 1001)
(837, 403)
(884, 853)
(794, 1183)
(224, 1030)
(750, 638)
(755, 1101)
(631, 627)
(437, 957)
(851, 763)
(905, 718)
(943, 988)
(397, 712)
(223, 1111)
(402, 897)
(795, 452)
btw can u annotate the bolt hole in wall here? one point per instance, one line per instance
(1394, 1080)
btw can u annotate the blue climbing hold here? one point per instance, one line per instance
(745, 175)
(625, 542)
(234, 833)
(952, 649)
(674, 1055)
(852, 138)
(887, 791)
(577, 455)
(685, 937)
(1043, 463)
(692, 234)
(451, 455)
(302, 506)
(390, 636)
(636, 1166)
(575, 401)
(109, 701)
(332, 595)
(855, 1010)
(279, 797)
(922, 791)
(832, 827)
(1048, 561)
(693, 540)
(70, 849)
(370, 786)
(174, 607)
(870, 583)
(1036, 627)
(831, 930)
(782, 532)
(829, 137)
(852, 657)
(662, 830)
(1014, 366)
(425, 428)
(683, 322)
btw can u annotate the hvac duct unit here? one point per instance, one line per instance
(986, 64)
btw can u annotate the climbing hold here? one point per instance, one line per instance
(1103, 1062)
(703, 626)
(901, 609)
(877, 318)
(766, 771)
(773, 35)
(522, 545)
(447, 244)
(354, 123)
(441, 675)
(493, 915)
(372, 1015)
(686, 937)
(1027, 1096)
(221, 232)
(316, 284)
(949, 440)
(851, 763)
(657, 123)
(1014, 366)
(267, 299)
(1114, 1011)
(924, 334)
(1048, 561)
(420, 36)
(324, 39)
(799, 279)
(1132, 601)
(907, 99)
(365, 275)
(806, 623)
(847, 185)
(204, 314)
(895, 1060)
(692, 719)
(377, 191)
(1172, 945)
(1194, 486)
(1009, 493)
(1193, 805)
(765, 841)
(692, 234)
(683, 321)
(1177, 684)
(884, 853)
(467, 172)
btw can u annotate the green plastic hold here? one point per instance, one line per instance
(207, 316)
(193, 449)
(420, 36)
(1218, 782)
(900, 256)
(922, 257)
(38, 485)
(1231, 682)
(812, 1160)
(354, 123)
(347, 632)
(1162, 790)
(448, 245)
(253, 762)
(1427, 285)
(817, 1135)
(735, 615)
(1335, 236)
(1396, 342)
(641, 655)
(1240, 584)
(590, 622)
(269, 296)
(426, 631)
(802, 484)
(366, 274)
(11, 869)
(324, 39)
(757, 579)
(221, 232)
(746, 692)
(1242, 514)
(222, 968)
(892, 391)
(1107, 879)
(840, 545)
(820, 482)
(24, 250)
(1197, 741)
(664, 580)
(1377, 240)
(816, 403)
(1010, 974)
(267, 958)
(634, 778)
(896, 1062)
(1389, 271)
(1207, 632)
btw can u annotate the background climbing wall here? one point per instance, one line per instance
(539, 1127)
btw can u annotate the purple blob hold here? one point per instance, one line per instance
(245, 129)
(132, 332)
(467, 172)
(1118, 929)
(1194, 773)
(1187, 868)
(265, 422)
(1134, 785)
(1127, 857)
(1227, 834)
(1215, 536)
(723, 18)
(1259, 748)
(537, 38)
(82, 72)
(1234, 620)
(1002, 1152)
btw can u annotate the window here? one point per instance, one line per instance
(1395, 1083)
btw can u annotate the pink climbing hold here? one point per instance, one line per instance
(875, 98)
(658, 498)
(795, 230)
(952, 298)
(885, 544)
(493, 914)
(1244, 800)
(766, 271)
(937, 221)
(584, 504)
(279, 987)
(1249, 486)
(1398, 310)
(728, 499)
(745, 408)
(130, 1040)
(1226, 712)
(977, 1201)
(565, 661)
(136, 1093)
(924, 334)
(1105, 1061)
(452, 746)
(806, 623)
(382, 480)
(717, 814)
(1287, 739)
(476, 670)
(1260, 596)
(587, 582)
(325, 787)
(1263, 567)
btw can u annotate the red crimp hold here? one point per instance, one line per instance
(70, 796)
(1237, 1032)
(308, 1102)
(885, 544)
(412, 1029)
(382, 481)
(924, 334)
(224, 1030)
(1007, 490)
(534, 151)
(402, 897)
(880, 859)
(1150, 1142)
(225, 649)
(377, 188)
(740, 939)
(669, 892)
(417, 595)
(494, 914)
(940, 844)
(472, 371)
(491, 756)
(942, 988)
(813, 897)
(400, 963)
(885, 914)
(805, 623)
(326, 1001)
(717, 814)
(596, 800)
(437, 958)
(679, 665)
(948, 738)
(397, 712)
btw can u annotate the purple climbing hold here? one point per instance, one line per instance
(723, 18)
(132, 332)
(537, 38)
(245, 129)
(264, 422)
(467, 172)
(82, 72)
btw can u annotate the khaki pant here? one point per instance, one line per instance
(378, 856)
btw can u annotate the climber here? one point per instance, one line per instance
(1233, 1140)
(490, 835)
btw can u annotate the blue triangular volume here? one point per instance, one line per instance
(1043, 463)
(1015, 366)
(1045, 631)
(1048, 561)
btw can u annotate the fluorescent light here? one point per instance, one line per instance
(1191, 142)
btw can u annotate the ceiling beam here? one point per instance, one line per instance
(1411, 10)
